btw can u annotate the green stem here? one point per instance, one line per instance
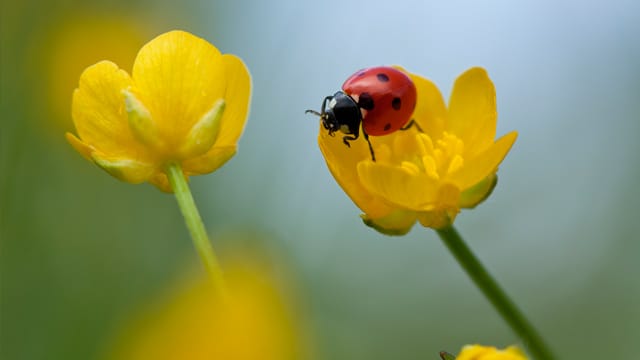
(195, 225)
(490, 288)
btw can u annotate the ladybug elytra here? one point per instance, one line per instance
(380, 99)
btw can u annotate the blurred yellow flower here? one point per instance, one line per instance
(184, 103)
(428, 172)
(72, 42)
(479, 352)
(253, 322)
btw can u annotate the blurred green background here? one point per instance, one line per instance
(81, 252)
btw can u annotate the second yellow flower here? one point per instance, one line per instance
(429, 172)
(184, 103)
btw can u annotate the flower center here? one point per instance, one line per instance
(418, 153)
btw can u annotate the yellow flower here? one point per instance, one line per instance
(428, 172)
(184, 103)
(478, 352)
(78, 39)
(195, 323)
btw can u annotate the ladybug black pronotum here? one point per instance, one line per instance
(380, 98)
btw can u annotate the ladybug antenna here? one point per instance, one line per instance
(313, 112)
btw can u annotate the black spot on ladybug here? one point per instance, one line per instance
(365, 101)
(396, 103)
(382, 77)
(387, 127)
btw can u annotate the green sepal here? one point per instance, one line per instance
(446, 356)
(397, 223)
(479, 192)
(204, 133)
(141, 123)
(127, 170)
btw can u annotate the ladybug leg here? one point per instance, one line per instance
(366, 137)
(347, 138)
(411, 124)
(353, 132)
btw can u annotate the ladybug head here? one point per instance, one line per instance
(329, 121)
(340, 112)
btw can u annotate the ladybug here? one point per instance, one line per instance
(380, 98)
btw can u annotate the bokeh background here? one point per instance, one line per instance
(81, 252)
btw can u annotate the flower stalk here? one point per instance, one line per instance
(194, 224)
(494, 293)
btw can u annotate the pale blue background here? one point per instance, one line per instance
(560, 231)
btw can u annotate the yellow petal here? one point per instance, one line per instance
(237, 97)
(471, 352)
(437, 219)
(161, 181)
(179, 77)
(237, 100)
(398, 186)
(210, 161)
(472, 111)
(430, 112)
(479, 352)
(99, 113)
(478, 168)
(516, 352)
(398, 222)
(342, 162)
(84, 149)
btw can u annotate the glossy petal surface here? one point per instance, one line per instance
(430, 171)
(185, 103)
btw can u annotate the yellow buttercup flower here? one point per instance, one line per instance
(255, 321)
(184, 103)
(81, 38)
(430, 171)
(479, 352)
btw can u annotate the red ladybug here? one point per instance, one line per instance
(381, 98)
